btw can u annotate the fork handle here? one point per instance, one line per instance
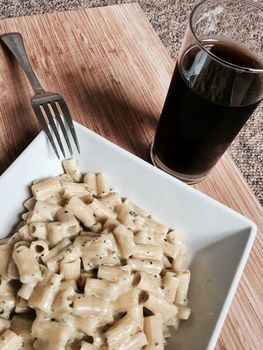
(15, 43)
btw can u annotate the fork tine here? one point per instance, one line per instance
(45, 128)
(53, 126)
(62, 126)
(66, 113)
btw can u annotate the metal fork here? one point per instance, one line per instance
(46, 105)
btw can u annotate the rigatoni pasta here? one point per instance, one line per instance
(87, 269)
(10, 340)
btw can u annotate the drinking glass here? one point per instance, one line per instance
(216, 85)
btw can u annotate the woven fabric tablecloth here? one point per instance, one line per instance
(169, 19)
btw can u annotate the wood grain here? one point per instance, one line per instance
(114, 73)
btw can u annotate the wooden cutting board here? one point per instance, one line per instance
(114, 73)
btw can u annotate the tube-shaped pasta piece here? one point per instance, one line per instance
(111, 200)
(127, 301)
(12, 271)
(69, 287)
(159, 305)
(40, 344)
(26, 290)
(93, 263)
(87, 199)
(72, 169)
(100, 211)
(16, 237)
(73, 189)
(115, 274)
(180, 263)
(144, 237)
(156, 226)
(83, 276)
(39, 248)
(125, 216)
(101, 288)
(139, 220)
(4, 325)
(81, 211)
(7, 305)
(109, 241)
(64, 215)
(170, 250)
(45, 189)
(44, 293)
(125, 240)
(181, 294)
(61, 304)
(43, 211)
(102, 186)
(27, 265)
(110, 225)
(21, 243)
(170, 285)
(88, 346)
(70, 270)
(5, 256)
(56, 253)
(150, 266)
(90, 247)
(153, 331)
(96, 228)
(7, 288)
(21, 306)
(135, 207)
(38, 230)
(105, 319)
(147, 251)
(183, 312)
(25, 233)
(99, 339)
(173, 237)
(147, 281)
(53, 266)
(90, 180)
(9, 340)
(89, 234)
(91, 305)
(120, 331)
(57, 333)
(65, 177)
(56, 231)
(89, 263)
(30, 203)
(86, 324)
(4, 241)
(166, 262)
(55, 199)
(135, 342)
(26, 215)
(136, 313)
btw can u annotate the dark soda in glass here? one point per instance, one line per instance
(208, 102)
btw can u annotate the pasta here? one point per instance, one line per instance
(10, 340)
(87, 269)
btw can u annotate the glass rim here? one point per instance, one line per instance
(220, 60)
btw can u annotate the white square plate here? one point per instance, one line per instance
(218, 239)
